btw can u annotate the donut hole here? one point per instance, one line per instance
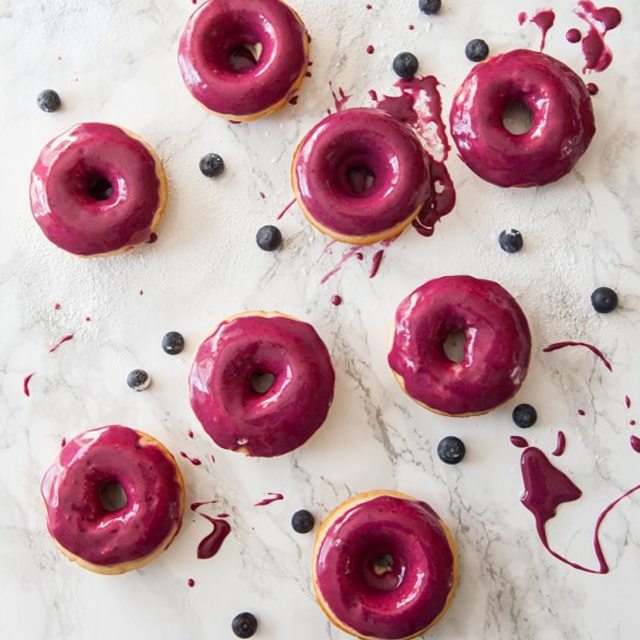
(359, 165)
(99, 188)
(454, 345)
(245, 56)
(361, 179)
(517, 117)
(237, 42)
(112, 496)
(261, 382)
(382, 568)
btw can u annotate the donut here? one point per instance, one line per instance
(266, 421)
(496, 352)
(342, 147)
(562, 124)
(100, 537)
(266, 35)
(385, 566)
(98, 190)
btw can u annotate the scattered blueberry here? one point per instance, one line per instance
(477, 50)
(211, 165)
(524, 416)
(269, 238)
(511, 241)
(303, 521)
(138, 380)
(244, 625)
(173, 343)
(49, 101)
(405, 65)
(451, 450)
(604, 300)
(430, 7)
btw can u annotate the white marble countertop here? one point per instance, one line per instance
(116, 61)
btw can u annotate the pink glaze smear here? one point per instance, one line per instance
(569, 343)
(269, 499)
(25, 384)
(546, 488)
(61, 342)
(597, 54)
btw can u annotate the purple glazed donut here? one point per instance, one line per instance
(109, 540)
(384, 566)
(496, 352)
(97, 190)
(255, 421)
(562, 128)
(357, 140)
(266, 35)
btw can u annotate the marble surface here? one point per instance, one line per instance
(116, 61)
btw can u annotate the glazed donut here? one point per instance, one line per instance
(111, 541)
(267, 34)
(98, 190)
(496, 353)
(562, 128)
(385, 566)
(262, 422)
(356, 140)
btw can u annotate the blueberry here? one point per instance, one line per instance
(244, 625)
(173, 343)
(451, 450)
(430, 6)
(405, 65)
(477, 50)
(49, 101)
(303, 521)
(269, 238)
(138, 380)
(511, 241)
(211, 165)
(604, 300)
(524, 416)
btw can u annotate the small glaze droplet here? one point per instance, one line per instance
(370, 49)
(635, 443)
(592, 88)
(519, 441)
(336, 300)
(191, 582)
(573, 36)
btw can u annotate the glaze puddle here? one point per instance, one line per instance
(420, 106)
(270, 498)
(546, 488)
(25, 384)
(597, 54)
(569, 343)
(210, 545)
(60, 342)
(544, 19)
